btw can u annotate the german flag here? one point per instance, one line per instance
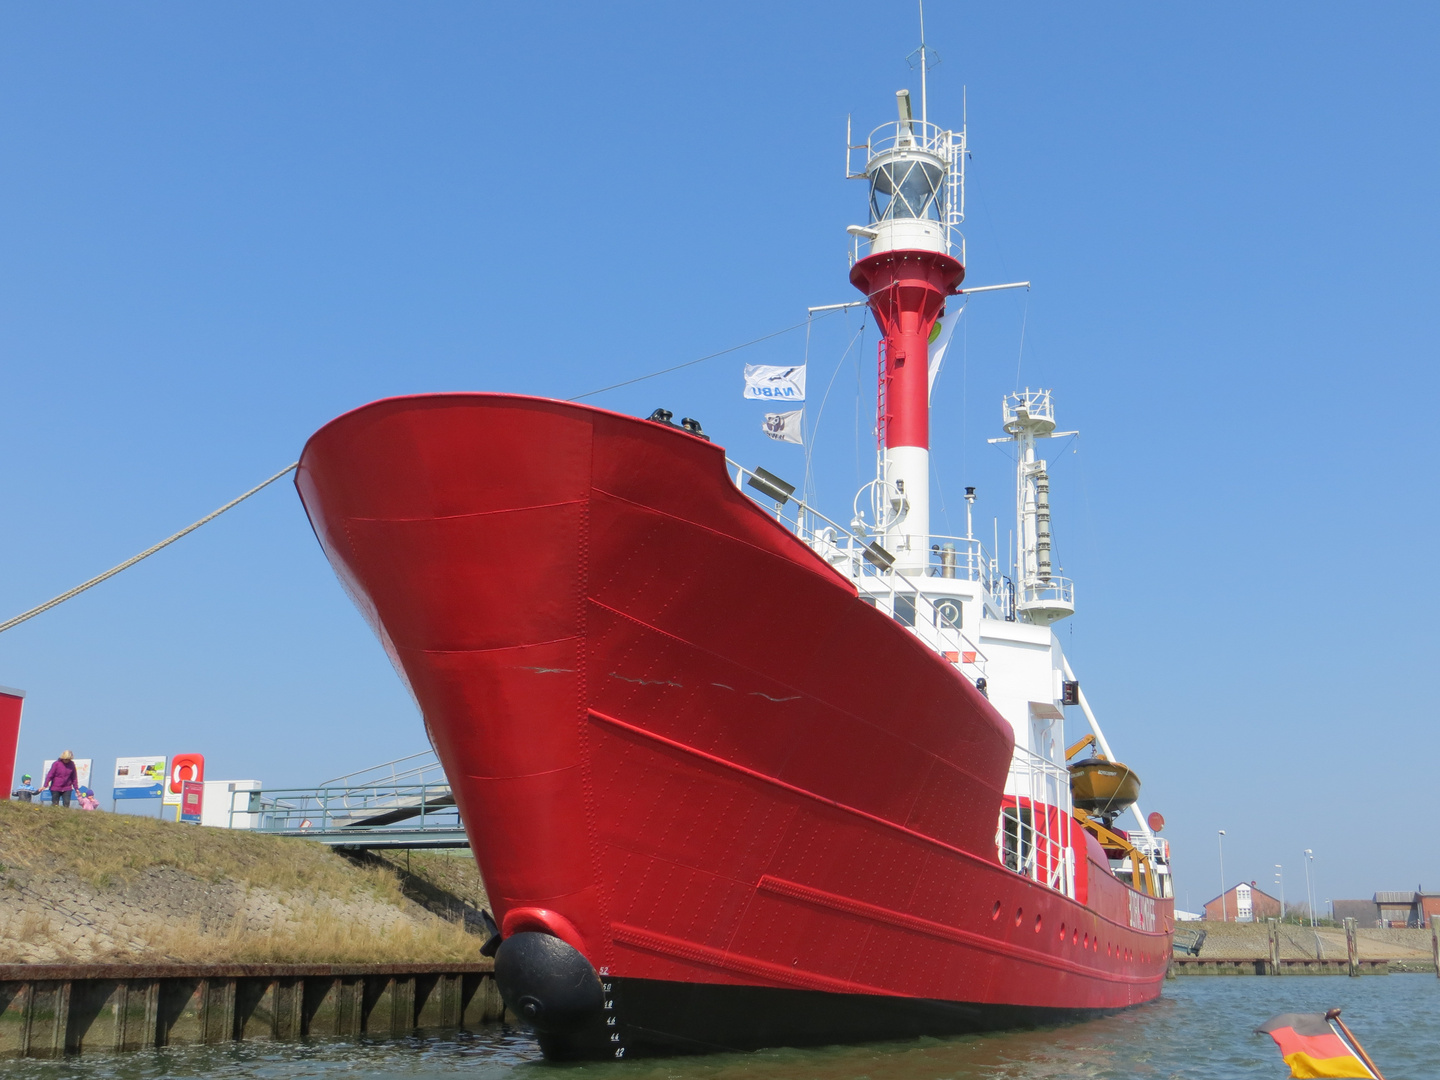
(1312, 1047)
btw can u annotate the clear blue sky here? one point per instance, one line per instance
(224, 224)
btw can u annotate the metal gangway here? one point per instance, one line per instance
(405, 803)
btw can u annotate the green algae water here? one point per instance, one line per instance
(1199, 1030)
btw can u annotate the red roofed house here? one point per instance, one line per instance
(1243, 903)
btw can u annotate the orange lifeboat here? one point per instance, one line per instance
(1103, 787)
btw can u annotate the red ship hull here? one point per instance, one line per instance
(762, 811)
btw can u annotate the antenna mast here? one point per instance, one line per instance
(924, 101)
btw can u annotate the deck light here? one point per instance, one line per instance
(767, 483)
(877, 556)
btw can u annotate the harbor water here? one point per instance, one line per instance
(1199, 1030)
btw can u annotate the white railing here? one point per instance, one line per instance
(907, 134)
(1058, 589)
(896, 595)
(1036, 404)
(963, 557)
(1037, 825)
(418, 768)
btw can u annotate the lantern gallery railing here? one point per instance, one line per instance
(917, 171)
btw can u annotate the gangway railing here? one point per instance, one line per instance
(387, 793)
(420, 768)
(395, 815)
(406, 802)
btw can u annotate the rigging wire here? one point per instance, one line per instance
(810, 444)
(965, 396)
(1024, 321)
(691, 363)
(18, 619)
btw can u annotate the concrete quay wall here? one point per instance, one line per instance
(1272, 948)
(51, 1010)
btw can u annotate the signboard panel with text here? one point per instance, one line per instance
(82, 771)
(192, 801)
(139, 777)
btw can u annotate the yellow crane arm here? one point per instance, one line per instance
(1138, 859)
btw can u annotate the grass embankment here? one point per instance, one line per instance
(98, 887)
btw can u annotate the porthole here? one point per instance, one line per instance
(1019, 914)
(996, 913)
(1037, 924)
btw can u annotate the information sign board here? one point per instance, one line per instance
(192, 800)
(139, 777)
(82, 770)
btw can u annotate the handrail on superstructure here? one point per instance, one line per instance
(975, 559)
(1039, 785)
(930, 630)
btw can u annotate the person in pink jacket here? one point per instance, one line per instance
(62, 779)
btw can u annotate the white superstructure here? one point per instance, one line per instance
(995, 624)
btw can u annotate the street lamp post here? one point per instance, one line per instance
(1224, 915)
(1309, 898)
(1280, 880)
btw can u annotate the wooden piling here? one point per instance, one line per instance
(51, 1010)
(1352, 946)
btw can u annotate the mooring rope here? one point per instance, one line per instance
(18, 619)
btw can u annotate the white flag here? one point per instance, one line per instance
(770, 383)
(940, 341)
(785, 426)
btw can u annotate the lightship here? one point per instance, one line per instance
(706, 826)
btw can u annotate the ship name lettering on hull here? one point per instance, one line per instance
(1142, 912)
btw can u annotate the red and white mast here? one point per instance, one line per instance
(910, 266)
